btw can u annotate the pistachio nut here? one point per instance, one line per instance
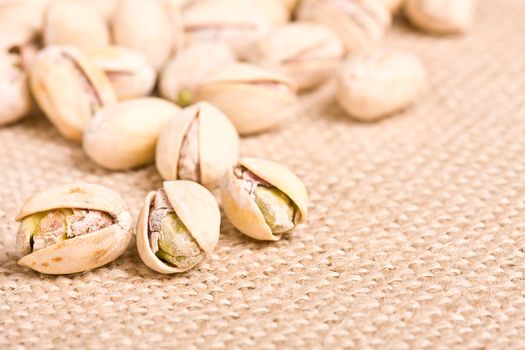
(375, 84)
(72, 228)
(199, 145)
(145, 26)
(238, 23)
(255, 99)
(358, 23)
(124, 135)
(263, 199)
(15, 101)
(306, 52)
(441, 16)
(128, 70)
(104, 8)
(72, 23)
(191, 65)
(25, 14)
(291, 5)
(69, 88)
(178, 225)
(393, 5)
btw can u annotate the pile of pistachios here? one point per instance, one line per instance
(175, 82)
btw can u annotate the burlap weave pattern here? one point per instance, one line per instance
(416, 237)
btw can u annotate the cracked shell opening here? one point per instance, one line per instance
(169, 238)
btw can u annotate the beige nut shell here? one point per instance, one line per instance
(80, 253)
(124, 135)
(191, 65)
(255, 99)
(129, 71)
(196, 208)
(144, 26)
(72, 23)
(238, 23)
(441, 16)
(306, 52)
(59, 88)
(15, 101)
(241, 208)
(380, 82)
(358, 23)
(218, 143)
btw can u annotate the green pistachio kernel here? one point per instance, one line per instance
(184, 98)
(277, 208)
(176, 245)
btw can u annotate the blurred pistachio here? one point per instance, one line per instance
(129, 71)
(238, 23)
(145, 26)
(15, 101)
(441, 16)
(72, 23)
(307, 52)
(255, 99)
(358, 23)
(191, 65)
(104, 8)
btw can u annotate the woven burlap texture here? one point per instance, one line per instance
(416, 237)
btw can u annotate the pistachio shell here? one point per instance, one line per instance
(218, 144)
(24, 14)
(15, 101)
(290, 4)
(238, 23)
(83, 252)
(306, 52)
(242, 210)
(130, 130)
(145, 26)
(69, 88)
(72, 23)
(189, 67)
(240, 206)
(104, 8)
(195, 207)
(441, 16)
(358, 23)
(255, 99)
(378, 83)
(393, 5)
(129, 71)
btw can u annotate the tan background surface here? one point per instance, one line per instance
(416, 237)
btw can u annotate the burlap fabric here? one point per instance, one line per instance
(416, 237)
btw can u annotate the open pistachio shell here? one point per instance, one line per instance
(306, 52)
(255, 99)
(80, 253)
(128, 70)
(441, 16)
(358, 23)
(72, 23)
(240, 204)
(145, 26)
(69, 88)
(217, 145)
(238, 23)
(195, 207)
(375, 84)
(124, 135)
(190, 66)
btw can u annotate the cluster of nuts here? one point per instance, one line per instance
(175, 82)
